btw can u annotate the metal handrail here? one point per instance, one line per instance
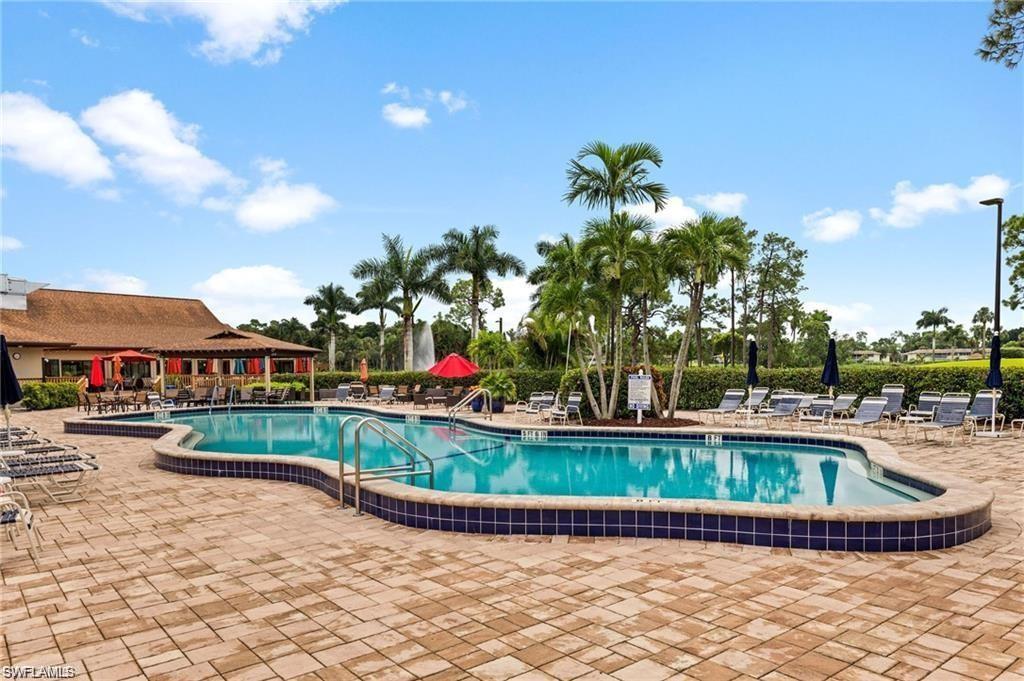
(406, 447)
(466, 400)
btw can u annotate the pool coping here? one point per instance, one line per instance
(961, 511)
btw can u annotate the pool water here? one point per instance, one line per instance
(473, 461)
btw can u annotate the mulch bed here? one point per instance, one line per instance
(648, 423)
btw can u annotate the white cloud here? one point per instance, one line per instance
(218, 204)
(910, 206)
(832, 225)
(114, 282)
(402, 116)
(452, 102)
(250, 30)
(272, 168)
(109, 194)
(9, 243)
(846, 318)
(674, 213)
(394, 88)
(49, 141)
(279, 205)
(728, 203)
(550, 238)
(517, 292)
(84, 38)
(239, 294)
(156, 145)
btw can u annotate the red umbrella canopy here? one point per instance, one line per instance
(96, 372)
(209, 366)
(129, 356)
(454, 366)
(174, 365)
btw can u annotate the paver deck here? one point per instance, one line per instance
(173, 577)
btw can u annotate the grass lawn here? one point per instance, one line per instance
(973, 363)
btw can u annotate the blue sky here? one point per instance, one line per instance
(245, 155)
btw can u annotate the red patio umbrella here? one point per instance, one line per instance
(454, 366)
(129, 356)
(96, 372)
(209, 366)
(174, 365)
(273, 366)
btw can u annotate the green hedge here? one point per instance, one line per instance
(49, 395)
(526, 380)
(703, 386)
(573, 381)
(1012, 353)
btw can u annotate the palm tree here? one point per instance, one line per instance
(330, 303)
(620, 177)
(475, 253)
(983, 317)
(377, 294)
(413, 275)
(701, 250)
(933, 319)
(615, 249)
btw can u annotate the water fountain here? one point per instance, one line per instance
(423, 347)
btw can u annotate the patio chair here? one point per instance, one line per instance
(870, 414)
(374, 392)
(83, 403)
(731, 401)
(752, 404)
(521, 405)
(420, 400)
(785, 407)
(356, 392)
(402, 394)
(571, 409)
(950, 417)
(548, 400)
(818, 412)
(279, 396)
(436, 396)
(59, 476)
(385, 396)
(15, 511)
(341, 393)
(927, 404)
(982, 408)
(893, 394)
(154, 401)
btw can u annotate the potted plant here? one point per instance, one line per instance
(502, 388)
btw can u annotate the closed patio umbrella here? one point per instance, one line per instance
(10, 389)
(239, 366)
(994, 380)
(118, 378)
(364, 370)
(209, 366)
(752, 379)
(96, 372)
(830, 374)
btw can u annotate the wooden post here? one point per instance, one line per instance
(312, 378)
(266, 372)
(163, 378)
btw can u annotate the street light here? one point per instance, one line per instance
(998, 203)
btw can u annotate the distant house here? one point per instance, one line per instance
(942, 354)
(55, 333)
(869, 356)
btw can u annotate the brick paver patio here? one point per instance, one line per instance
(174, 577)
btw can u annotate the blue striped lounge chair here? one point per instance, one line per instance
(731, 401)
(870, 414)
(950, 417)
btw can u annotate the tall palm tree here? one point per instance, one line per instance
(649, 284)
(983, 317)
(701, 250)
(413, 276)
(476, 253)
(615, 249)
(933, 319)
(378, 294)
(619, 178)
(330, 303)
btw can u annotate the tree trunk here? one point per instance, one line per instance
(584, 371)
(684, 348)
(380, 339)
(732, 317)
(935, 332)
(331, 344)
(613, 399)
(407, 340)
(595, 348)
(474, 310)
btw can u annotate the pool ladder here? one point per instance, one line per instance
(413, 454)
(482, 393)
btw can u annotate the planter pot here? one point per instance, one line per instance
(498, 405)
(477, 404)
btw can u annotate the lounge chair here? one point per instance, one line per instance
(982, 408)
(570, 410)
(15, 511)
(785, 408)
(893, 394)
(436, 396)
(546, 402)
(356, 392)
(521, 405)
(950, 417)
(927, 404)
(818, 412)
(731, 401)
(385, 396)
(870, 414)
(402, 394)
(752, 404)
(58, 475)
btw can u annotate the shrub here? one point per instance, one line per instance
(296, 386)
(501, 385)
(49, 395)
(1012, 352)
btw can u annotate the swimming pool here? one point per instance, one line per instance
(774, 489)
(471, 461)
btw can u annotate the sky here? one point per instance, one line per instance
(245, 153)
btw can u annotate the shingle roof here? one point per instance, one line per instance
(114, 321)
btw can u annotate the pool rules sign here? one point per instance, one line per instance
(638, 394)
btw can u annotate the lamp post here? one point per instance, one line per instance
(998, 203)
